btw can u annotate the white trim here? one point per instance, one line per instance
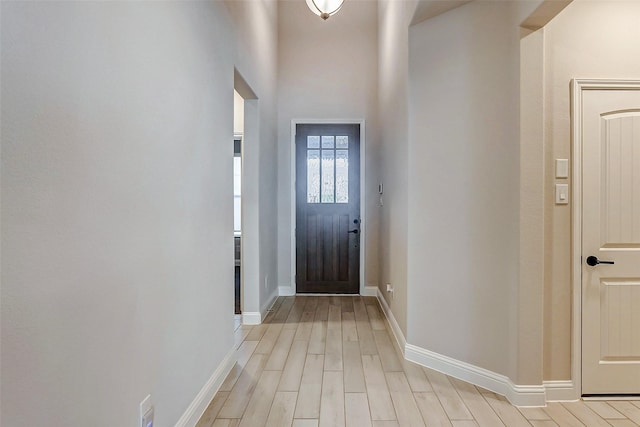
(195, 410)
(576, 250)
(560, 391)
(363, 204)
(519, 395)
(577, 86)
(292, 175)
(250, 252)
(256, 317)
(523, 396)
(370, 291)
(363, 234)
(269, 303)
(251, 318)
(391, 320)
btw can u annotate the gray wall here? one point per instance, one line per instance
(463, 179)
(117, 226)
(394, 18)
(256, 59)
(327, 70)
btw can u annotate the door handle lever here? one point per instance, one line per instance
(593, 261)
(355, 231)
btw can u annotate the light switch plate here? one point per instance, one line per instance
(562, 194)
(562, 168)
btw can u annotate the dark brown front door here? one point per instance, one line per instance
(328, 208)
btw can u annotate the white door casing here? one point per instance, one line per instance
(291, 289)
(610, 122)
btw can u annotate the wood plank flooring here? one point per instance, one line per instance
(332, 361)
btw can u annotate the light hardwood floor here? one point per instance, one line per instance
(332, 362)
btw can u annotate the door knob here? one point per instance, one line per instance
(355, 231)
(593, 261)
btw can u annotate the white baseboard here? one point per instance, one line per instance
(195, 410)
(251, 318)
(395, 327)
(286, 291)
(519, 395)
(526, 395)
(269, 303)
(561, 391)
(370, 291)
(256, 317)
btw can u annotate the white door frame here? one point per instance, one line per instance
(578, 86)
(363, 233)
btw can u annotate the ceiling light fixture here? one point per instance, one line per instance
(325, 8)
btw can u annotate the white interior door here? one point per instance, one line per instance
(611, 232)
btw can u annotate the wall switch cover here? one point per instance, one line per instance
(562, 168)
(562, 194)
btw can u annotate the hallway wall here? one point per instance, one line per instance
(463, 125)
(394, 18)
(256, 60)
(117, 205)
(589, 39)
(327, 70)
(463, 167)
